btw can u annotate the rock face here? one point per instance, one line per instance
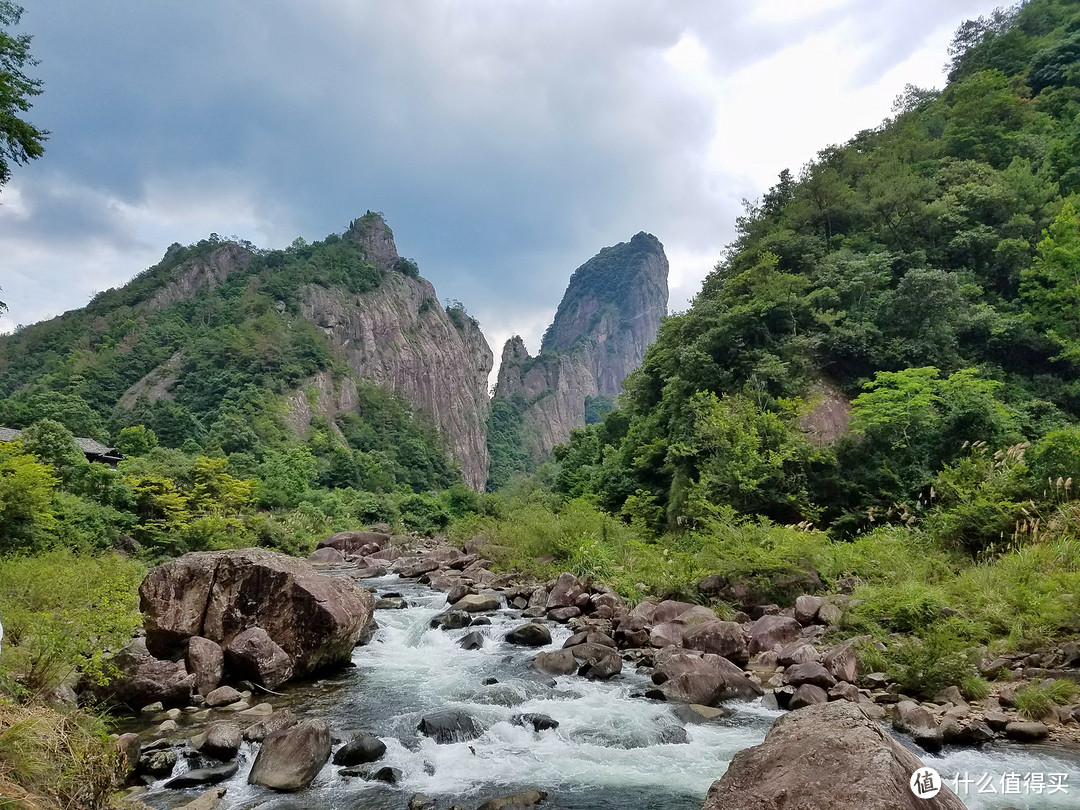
(609, 315)
(145, 679)
(316, 620)
(400, 336)
(829, 756)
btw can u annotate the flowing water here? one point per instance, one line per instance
(611, 750)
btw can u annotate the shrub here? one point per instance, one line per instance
(1036, 701)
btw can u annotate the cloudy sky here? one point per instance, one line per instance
(506, 141)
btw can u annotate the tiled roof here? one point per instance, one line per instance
(88, 446)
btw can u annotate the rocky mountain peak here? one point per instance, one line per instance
(375, 239)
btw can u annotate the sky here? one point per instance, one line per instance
(505, 141)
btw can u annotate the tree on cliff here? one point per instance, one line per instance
(20, 141)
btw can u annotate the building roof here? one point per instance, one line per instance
(90, 447)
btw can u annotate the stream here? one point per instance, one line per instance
(611, 750)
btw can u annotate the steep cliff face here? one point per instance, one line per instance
(609, 315)
(400, 336)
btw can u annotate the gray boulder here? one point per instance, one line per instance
(254, 655)
(362, 748)
(532, 634)
(448, 726)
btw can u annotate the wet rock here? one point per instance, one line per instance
(697, 713)
(530, 635)
(203, 776)
(768, 631)
(588, 637)
(560, 662)
(477, 603)
(539, 722)
(222, 696)
(518, 801)
(390, 603)
(599, 662)
(206, 661)
(471, 641)
(158, 763)
(253, 654)
(221, 741)
(389, 775)
(316, 619)
(452, 620)
(824, 757)
(419, 801)
(457, 593)
(912, 719)
(807, 695)
(448, 726)
(362, 748)
(282, 718)
(974, 732)
(213, 799)
(291, 758)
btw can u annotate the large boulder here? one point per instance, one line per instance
(143, 679)
(685, 676)
(829, 756)
(721, 638)
(564, 593)
(768, 631)
(206, 661)
(314, 618)
(448, 726)
(911, 718)
(292, 757)
(353, 542)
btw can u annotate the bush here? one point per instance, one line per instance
(923, 666)
(1036, 701)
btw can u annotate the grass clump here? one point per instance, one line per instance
(1037, 701)
(51, 758)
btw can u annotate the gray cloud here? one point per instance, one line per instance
(506, 141)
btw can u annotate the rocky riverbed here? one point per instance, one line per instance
(479, 685)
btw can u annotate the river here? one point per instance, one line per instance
(611, 750)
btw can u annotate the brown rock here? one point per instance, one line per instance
(824, 757)
(222, 696)
(842, 662)
(316, 619)
(806, 608)
(253, 654)
(206, 661)
(291, 758)
(810, 672)
(144, 679)
(519, 801)
(1026, 730)
(722, 638)
(692, 677)
(807, 695)
(560, 662)
(352, 542)
(912, 719)
(564, 592)
(326, 556)
(768, 631)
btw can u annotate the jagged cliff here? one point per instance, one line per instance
(609, 315)
(400, 336)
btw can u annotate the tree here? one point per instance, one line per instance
(20, 141)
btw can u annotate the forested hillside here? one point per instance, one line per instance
(927, 268)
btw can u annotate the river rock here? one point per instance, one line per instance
(559, 662)
(810, 672)
(282, 718)
(844, 691)
(564, 593)
(697, 713)
(221, 741)
(222, 696)
(206, 661)
(477, 603)
(564, 614)
(842, 662)
(326, 556)
(158, 763)
(721, 638)
(316, 619)
(806, 695)
(797, 652)
(807, 607)
(600, 662)
(824, 757)
(291, 758)
(532, 634)
(1026, 730)
(448, 726)
(452, 620)
(145, 679)
(203, 776)
(519, 801)
(588, 637)
(213, 799)
(539, 722)
(768, 631)
(364, 747)
(353, 542)
(686, 676)
(912, 719)
(471, 641)
(253, 654)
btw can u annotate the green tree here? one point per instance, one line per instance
(26, 494)
(20, 141)
(1051, 286)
